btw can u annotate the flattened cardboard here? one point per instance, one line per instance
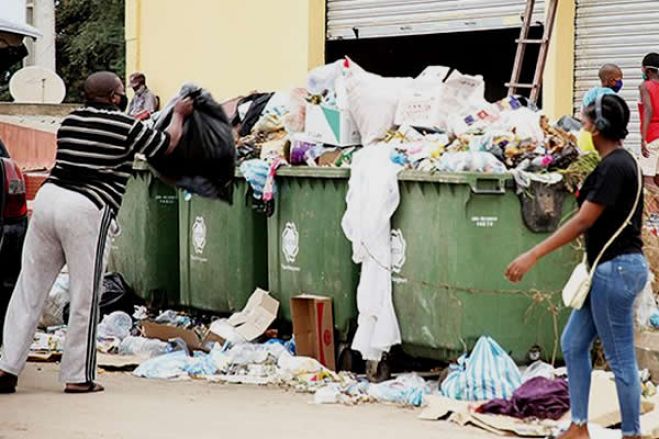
(166, 333)
(257, 316)
(119, 363)
(44, 357)
(603, 409)
(313, 328)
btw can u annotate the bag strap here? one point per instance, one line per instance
(627, 221)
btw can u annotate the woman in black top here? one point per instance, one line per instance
(606, 200)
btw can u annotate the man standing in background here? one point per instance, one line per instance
(144, 103)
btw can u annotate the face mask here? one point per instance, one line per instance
(644, 76)
(123, 103)
(618, 86)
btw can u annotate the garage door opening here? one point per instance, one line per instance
(488, 53)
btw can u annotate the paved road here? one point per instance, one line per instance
(143, 409)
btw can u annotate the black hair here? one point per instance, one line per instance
(651, 60)
(616, 112)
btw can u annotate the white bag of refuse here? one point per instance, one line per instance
(371, 99)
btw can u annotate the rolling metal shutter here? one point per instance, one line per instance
(386, 18)
(617, 31)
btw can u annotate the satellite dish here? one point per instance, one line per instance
(37, 85)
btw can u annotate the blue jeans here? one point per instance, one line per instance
(609, 314)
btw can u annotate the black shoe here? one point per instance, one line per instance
(8, 382)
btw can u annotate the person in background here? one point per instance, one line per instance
(610, 83)
(606, 201)
(649, 110)
(96, 146)
(144, 103)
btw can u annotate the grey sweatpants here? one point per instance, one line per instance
(66, 228)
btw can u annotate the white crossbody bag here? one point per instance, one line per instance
(577, 288)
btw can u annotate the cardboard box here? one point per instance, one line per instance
(166, 332)
(330, 126)
(249, 324)
(313, 328)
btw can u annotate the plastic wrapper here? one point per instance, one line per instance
(646, 305)
(470, 162)
(115, 325)
(407, 389)
(324, 78)
(165, 367)
(539, 369)
(143, 347)
(204, 161)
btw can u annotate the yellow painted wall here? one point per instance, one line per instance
(558, 91)
(230, 47)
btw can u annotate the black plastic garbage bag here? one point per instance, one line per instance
(258, 103)
(116, 295)
(204, 161)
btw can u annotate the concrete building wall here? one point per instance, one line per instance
(234, 46)
(230, 47)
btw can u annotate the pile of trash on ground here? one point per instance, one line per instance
(484, 388)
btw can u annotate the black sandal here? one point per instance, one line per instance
(84, 388)
(8, 383)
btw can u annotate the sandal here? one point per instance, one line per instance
(8, 383)
(91, 387)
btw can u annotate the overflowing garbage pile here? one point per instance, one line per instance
(438, 122)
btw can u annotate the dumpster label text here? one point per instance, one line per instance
(290, 246)
(484, 221)
(199, 232)
(398, 254)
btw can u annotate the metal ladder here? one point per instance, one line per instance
(515, 85)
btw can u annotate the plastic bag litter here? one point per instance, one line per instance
(143, 347)
(57, 300)
(372, 100)
(171, 317)
(299, 365)
(204, 161)
(323, 78)
(407, 389)
(484, 162)
(115, 325)
(330, 394)
(646, 305)
(165, 367)
(539, 369)
(201, 365)
(486, 374)
(256, 172)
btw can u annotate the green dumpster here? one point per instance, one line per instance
(308, 252)
(223, 251)
(145, 250)
(452, 237)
